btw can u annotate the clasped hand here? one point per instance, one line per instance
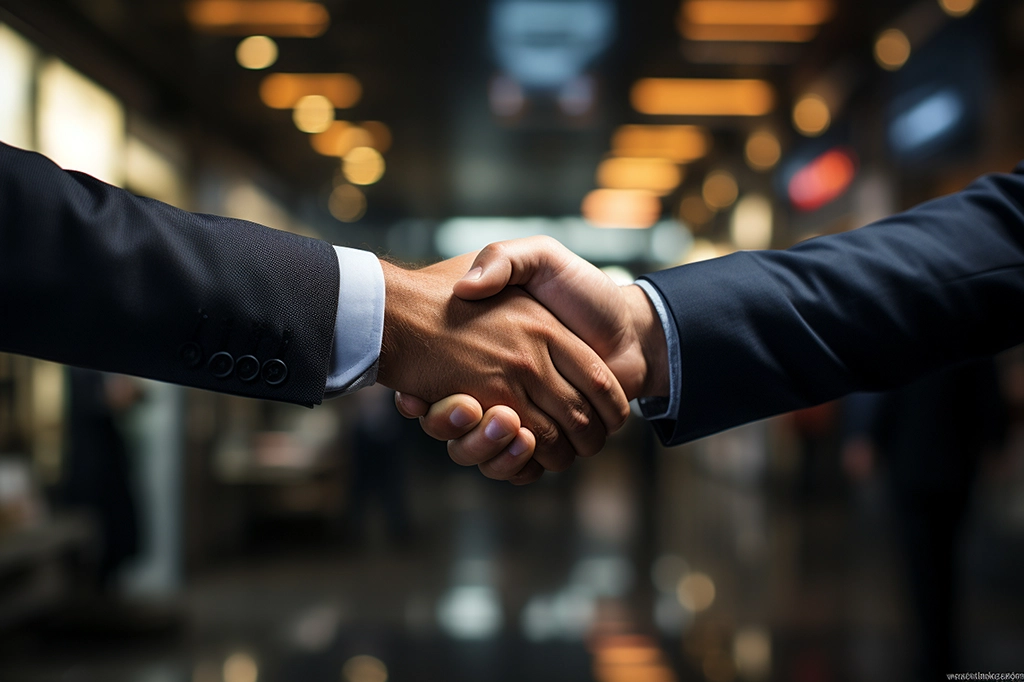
(530, 364)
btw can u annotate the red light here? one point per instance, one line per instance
(822, 180)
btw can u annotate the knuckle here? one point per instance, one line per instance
(601, 382)
(577, 420)
(545, 433)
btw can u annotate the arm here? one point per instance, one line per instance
(766, 332)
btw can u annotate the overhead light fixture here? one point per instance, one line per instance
(703, 97)
(363, 166)
(757, 12)
(719, 190)
(629, 208)
(347, 203)
(284, 90)
(660, 176)
(278, 18)
(762, 150)
(748, 33)
(679, 143)
(342, 137)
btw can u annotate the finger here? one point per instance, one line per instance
(409, 406)
(519, 261)
(507, 464)
(587, 373)
(488, 439)
(576, 418)
(530, 473)
(451, 417)
(554, 451)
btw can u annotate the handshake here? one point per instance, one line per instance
(529, 364)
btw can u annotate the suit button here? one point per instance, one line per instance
(221, 364)
(274, 371)
(190, 354)
(247, 368)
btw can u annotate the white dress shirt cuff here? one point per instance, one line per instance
(360, 322)
(664, 407)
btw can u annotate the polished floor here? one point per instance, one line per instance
(700, 563)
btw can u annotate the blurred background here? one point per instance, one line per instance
(152, 533)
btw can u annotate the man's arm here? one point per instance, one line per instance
(760, 333)
(96, 277)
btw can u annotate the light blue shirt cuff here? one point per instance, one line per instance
(661, 407)
(360, 322)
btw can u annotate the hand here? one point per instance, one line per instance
(508, 350)
(619, 322)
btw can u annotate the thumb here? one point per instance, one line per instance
(489, 274)
(523, 262)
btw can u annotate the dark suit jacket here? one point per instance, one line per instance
(765, 332)
(93, 276)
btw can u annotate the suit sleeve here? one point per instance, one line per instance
(766, 332)
(93, 276)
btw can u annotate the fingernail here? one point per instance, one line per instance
(496, 430)
(517, 447)
(473, 275)
(460, 417)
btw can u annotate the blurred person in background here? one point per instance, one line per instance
(930, 436)
(98, 478)
(377, 443)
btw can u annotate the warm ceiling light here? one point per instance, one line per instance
(762, 150)
(363, 166)
(256, 52)
(720, 190)
(283, 90)
(364, 669)
(660, 176)
(892, 49)
(631, 208)
(283, 18)
(680, 143)
(744, 34)
(342, 137)
(347, 203)
(696, 592)
(811, 115)
(758, 12)
(703, 97)
(750, 227)
(957, 8)
(313, 114)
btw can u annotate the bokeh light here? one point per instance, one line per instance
(762, 150)
(363, 166)
(347, 203)
(696, 592)
(892, 49)
(630, 208)
(680, 143)
(284, 90)
(719, 190)
(694, 211)
(811, 115)
(751, 224)
(313, 114)
(657, 175)
(364, 669)
(256, 52)
(957, 8)
(240, 667)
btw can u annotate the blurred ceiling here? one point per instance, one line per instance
(428, 71)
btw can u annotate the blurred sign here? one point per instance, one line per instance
(548, 43)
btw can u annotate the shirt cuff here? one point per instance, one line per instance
(359, 326)
(662, 407)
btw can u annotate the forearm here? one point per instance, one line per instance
(94, 276)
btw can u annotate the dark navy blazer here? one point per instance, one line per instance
(93, 276)
(765, 332)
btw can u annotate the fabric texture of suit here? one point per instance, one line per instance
(766, 332)
(96, 277)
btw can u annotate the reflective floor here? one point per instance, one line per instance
(703, 562)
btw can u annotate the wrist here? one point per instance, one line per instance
(651, 344)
